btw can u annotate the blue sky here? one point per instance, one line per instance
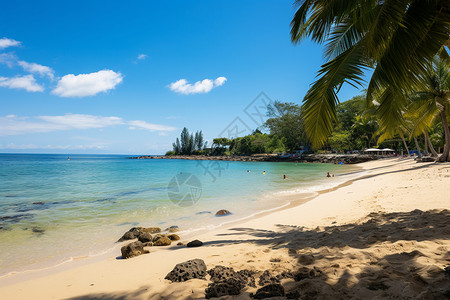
(126, 77)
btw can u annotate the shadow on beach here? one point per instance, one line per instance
(385, 255)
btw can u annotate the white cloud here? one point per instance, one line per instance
(37, 68)
(142, 56)
(87, 84)
(8, 59)
(78, 121)
(219, 81)
(206, 85)
(15, 125)
(27, 82)
(5, 43)
(149, 126)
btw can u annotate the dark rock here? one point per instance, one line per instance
(271, 290)
(40, 202)
(248, 276)
(180, 244)
(131, 234)
(226, 281)
(306, 273)
(447, 270)
(148, 244)
(190, 269)
(158, 236)
(267, 278)
(224, 288)
(133, 249)
(194, 243)
(173, 237)
(223, 212)
(163, 241)
(221, 273)
(145, 237)
(285, 275)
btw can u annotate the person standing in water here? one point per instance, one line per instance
(264, 172)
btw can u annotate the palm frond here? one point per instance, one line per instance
(321, 100)
(412, 46)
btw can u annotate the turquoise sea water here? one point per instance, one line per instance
(53, 209)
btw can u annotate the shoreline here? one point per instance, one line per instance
(309, 217)
(304, 158)
(294, 199)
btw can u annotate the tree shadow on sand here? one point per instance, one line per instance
(384, 256)
(388, 255)
(137, 294)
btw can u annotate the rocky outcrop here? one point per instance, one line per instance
(158, 236)
(223, 212)
(132, 250)
(135, 232)
(223, 288)
(313, 158)
(221, 274)
(174, 237)
(225, 281)
(163, 241)
(267, 278)
(131, 234)
(195, 243)
(145, 237)
(190, 269)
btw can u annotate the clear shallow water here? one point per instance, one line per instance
(53, 209)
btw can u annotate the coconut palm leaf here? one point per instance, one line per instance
(397, 37)
(321, 99)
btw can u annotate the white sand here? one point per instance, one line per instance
(399, 252)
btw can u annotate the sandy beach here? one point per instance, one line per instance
(383, 235)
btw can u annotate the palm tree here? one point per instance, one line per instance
(432, 101)
(395, 38)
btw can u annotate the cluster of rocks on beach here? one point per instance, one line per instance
(153, 236)
(225, 281)
(309, 276)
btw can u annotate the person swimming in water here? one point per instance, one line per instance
(328, 174)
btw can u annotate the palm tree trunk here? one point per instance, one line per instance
(427, 138)
(404, 143)
(445, 154)
(418, 148)
(426, 145)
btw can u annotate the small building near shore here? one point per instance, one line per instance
(375, 151)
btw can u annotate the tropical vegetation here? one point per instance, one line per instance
(397, 39)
